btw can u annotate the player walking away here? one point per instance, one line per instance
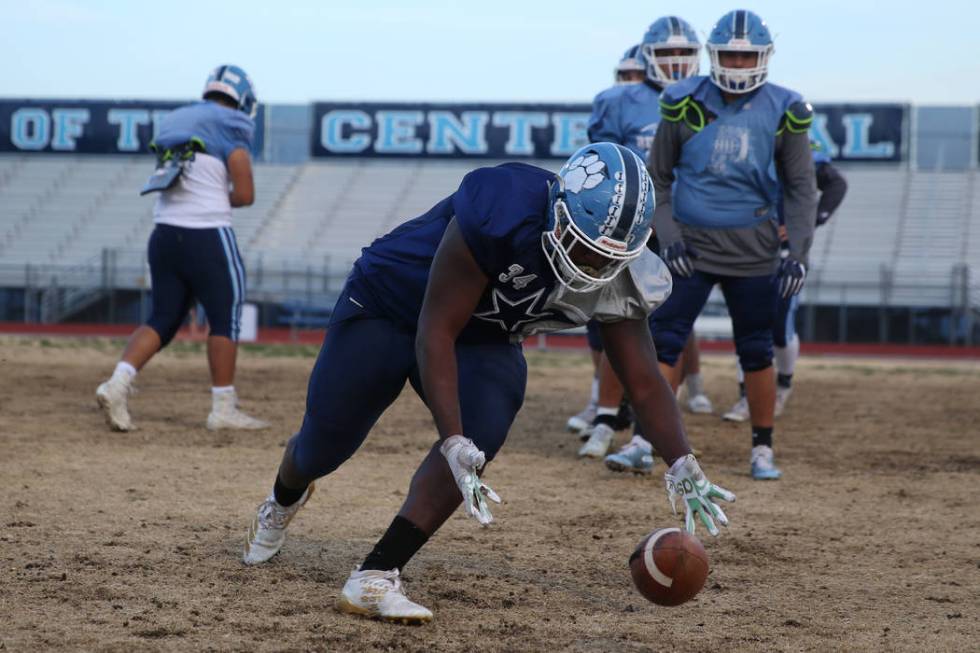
(201, 149)
(629, 116)
(832, 187)
(631, 69)
(729, 145)
(443, 302)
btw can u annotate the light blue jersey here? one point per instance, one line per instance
(726, 175)
(200, 199)
(627, 115)
(222, 129)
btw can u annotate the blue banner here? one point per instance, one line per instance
(88, 126)
(849, 132)
(861, 132)
(500, 131)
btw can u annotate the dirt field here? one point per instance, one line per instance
(132, 541)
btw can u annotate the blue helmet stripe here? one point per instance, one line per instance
(740, 20)
(675, 26)
(631, 192)
(220, 73)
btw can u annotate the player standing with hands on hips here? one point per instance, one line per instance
(727, 146)
(202, 148)
(443, 302)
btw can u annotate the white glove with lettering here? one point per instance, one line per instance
(686, 480)
(464, 460)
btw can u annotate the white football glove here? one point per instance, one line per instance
(686, 480)
(464, 460)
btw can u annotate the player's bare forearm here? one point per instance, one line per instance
(632, 354)
(240, 175)
(455, 286)
(436, 354)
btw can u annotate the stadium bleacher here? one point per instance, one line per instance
(64, 210)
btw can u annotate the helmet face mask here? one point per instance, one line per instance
(741, 32)
(739, 80)
(234, 83)
(668, 68)
(631, 68)
(601, 209)
(672, 51)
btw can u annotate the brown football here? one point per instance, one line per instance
(669, 566)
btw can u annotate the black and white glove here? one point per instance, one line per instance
(680, 259)
(791, 276)
(464, 460)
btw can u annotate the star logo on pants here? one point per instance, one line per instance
(510, 315)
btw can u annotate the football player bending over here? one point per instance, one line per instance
(443, 302)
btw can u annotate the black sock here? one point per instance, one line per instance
(741, 389)
(784, 380)
(762, 435)
(396, 547)
(286, 496)
(612, 421)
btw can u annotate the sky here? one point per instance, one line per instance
(298, 51)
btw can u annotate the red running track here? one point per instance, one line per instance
(555, 341)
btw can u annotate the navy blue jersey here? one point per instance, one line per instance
(501, 212)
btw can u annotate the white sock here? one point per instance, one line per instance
(594, 395)
(786, 356)
(124, 371)
(606, 410)
(695, 385)
(217, 391)
(739, 373)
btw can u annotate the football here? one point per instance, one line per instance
(669, 566)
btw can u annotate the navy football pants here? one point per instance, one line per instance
(201, 264)
(361, 370)
(751, 303)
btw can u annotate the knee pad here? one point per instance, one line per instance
(669, 337)
(755, 350)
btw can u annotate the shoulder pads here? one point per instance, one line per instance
(797, 119)
(694, 114)
(672, 109)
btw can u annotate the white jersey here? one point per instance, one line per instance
(200, 199)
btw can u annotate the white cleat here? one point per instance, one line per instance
(267, 532)
(582, 421)
(739, 412)
(782, 396)
(600, 439)
(113, 396)
(226, 415)
(379, 594)
(762, 465)
(700, 405)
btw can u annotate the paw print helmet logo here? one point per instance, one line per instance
(600, 216)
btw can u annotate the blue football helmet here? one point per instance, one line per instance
(740, 31)
(632, 61)
(670, 33)
(236, 84)
(602, 202)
